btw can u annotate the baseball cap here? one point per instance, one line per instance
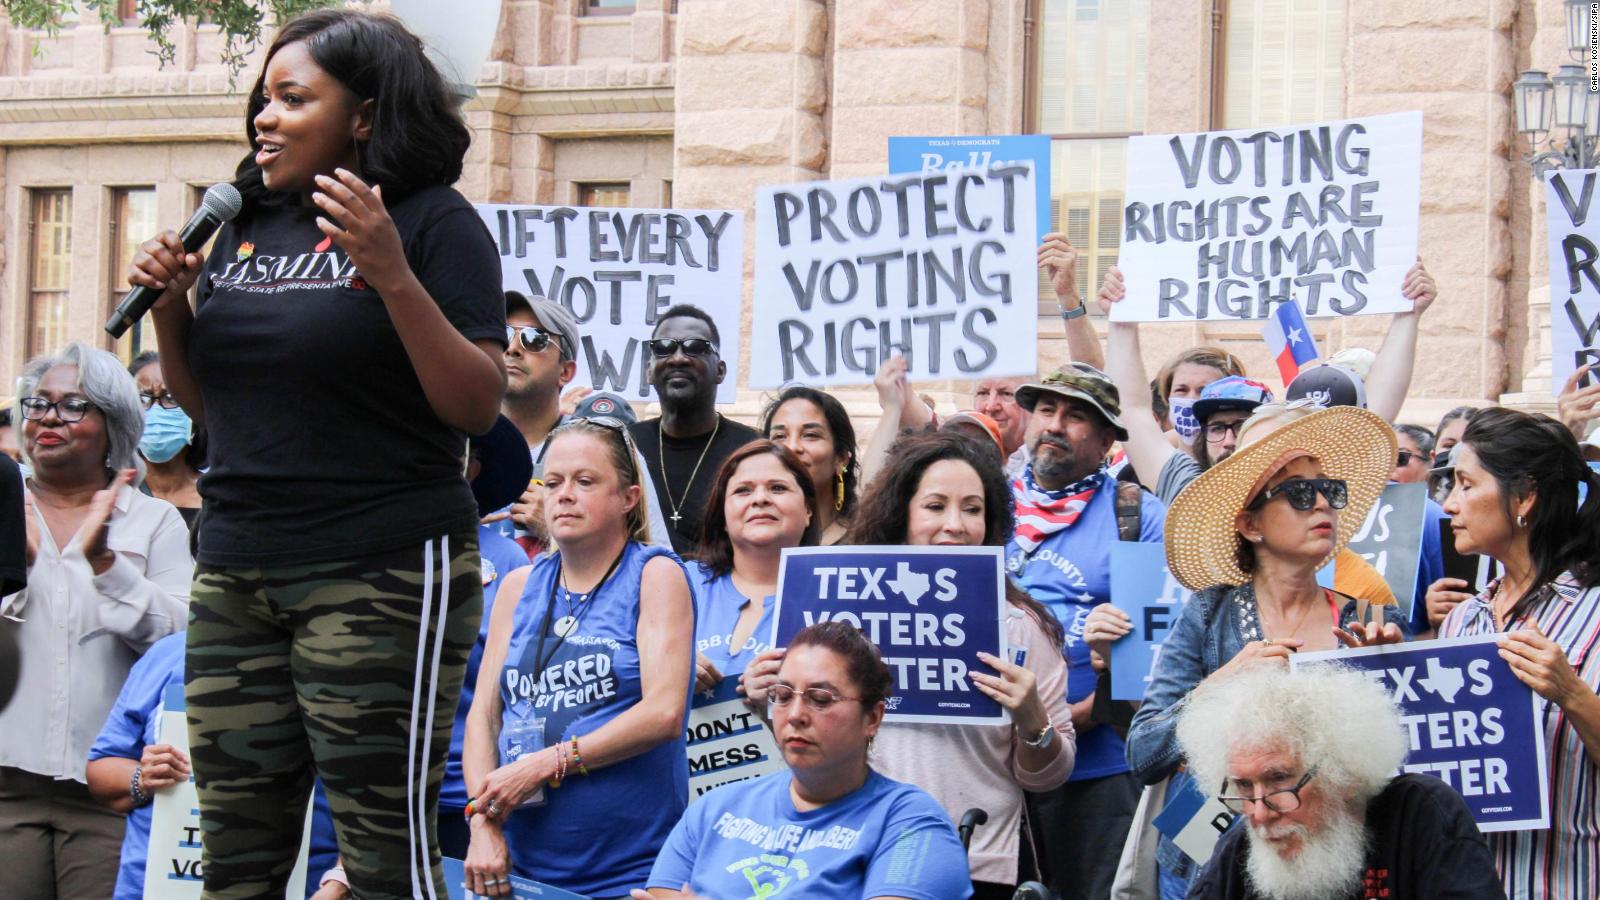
(605, 403)
(973, 417)
(504, 466)
(1078, 381)
(552, 317)
(1328, 385)
(1233, 392)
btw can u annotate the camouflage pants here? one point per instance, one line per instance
(352, 667)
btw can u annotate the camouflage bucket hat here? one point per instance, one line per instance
(1078, 381)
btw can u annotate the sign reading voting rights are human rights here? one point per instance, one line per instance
(1142, 587)
(1470, 721)
(930, 610)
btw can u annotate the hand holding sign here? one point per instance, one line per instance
(1266, 652)
(1112, 290)
(162, 765)
(1443, 595)
(1539, 663)
(1058, 259)
(1016, 689)
(1577, 406)
(1371, 634)
(1419, 288)
(1104, 625)
(758, 676)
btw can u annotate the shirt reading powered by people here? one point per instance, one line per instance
(323, 445)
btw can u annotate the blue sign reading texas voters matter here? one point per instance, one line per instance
(931, 154)
(1142, 587)
(1471, 722)
(930, 610)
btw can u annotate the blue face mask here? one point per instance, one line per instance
(166, 433)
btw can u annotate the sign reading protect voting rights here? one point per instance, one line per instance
(937, 266)
(1471, 723)
(726, 741)
(1220, 223)
(930, 610)
(1574, 221)
(617, 270)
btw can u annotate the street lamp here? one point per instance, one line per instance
(456, 35)
(1560, 116)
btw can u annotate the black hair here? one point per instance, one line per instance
(840, 428)
(418, 137)
(862, 660)
(1530, 454)
(1420, 436)
(885, 510)
(146, 358)
(689, 310)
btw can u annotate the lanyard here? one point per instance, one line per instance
(550, 607)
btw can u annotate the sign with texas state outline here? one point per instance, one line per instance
(930, 611)
(1470, 720)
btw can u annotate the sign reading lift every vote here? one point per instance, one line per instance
(1220, 223)
(1574, 221)
(936, 266)
(930, 610)
(1470, 721)
(618, 270)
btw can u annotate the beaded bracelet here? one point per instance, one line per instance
(577, 758)
(136, 788)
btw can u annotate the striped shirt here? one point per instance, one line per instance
(1563, 861)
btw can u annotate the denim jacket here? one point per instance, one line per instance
(1214, 626)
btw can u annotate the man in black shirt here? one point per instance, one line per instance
(1307, 759)
(686, 445)
(13, 568)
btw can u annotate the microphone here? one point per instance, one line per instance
(220, 204)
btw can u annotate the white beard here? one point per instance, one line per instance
(1330, 863)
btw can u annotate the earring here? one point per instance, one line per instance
(1521, 522)
(838, 491)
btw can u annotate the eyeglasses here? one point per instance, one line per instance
(72, 409)
(1217, 432)
(663, 348)
(1405, 457)
(1284, 801)
(164, 399)
(532, 339)
(1302, 493)
(780, 695)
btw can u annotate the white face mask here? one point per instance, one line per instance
(1181, 412)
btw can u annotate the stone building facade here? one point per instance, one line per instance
(695, 103)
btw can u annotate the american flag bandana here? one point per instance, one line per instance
(1041, 513)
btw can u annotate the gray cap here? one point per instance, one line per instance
(552, 317)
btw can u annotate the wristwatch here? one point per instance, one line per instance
(1082, 309)
(1043, 738)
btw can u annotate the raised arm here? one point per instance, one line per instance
(1058, 259)
(1148, 448)
(1390, 377)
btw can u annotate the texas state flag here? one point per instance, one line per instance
(1290, 338)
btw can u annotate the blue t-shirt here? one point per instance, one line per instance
(1430, 563)
(717, 607)
(886, 839)
(595, 835)
(1070, 572)
(499, 556)
(135, 723)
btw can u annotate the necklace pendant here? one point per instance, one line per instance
(676, 518)
(565, 626)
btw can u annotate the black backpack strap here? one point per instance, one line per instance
(1129, 507)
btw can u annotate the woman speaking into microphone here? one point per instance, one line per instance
(346, 340)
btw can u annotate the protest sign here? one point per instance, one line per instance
(1391, 539)
(930, 610)
(1142, 587)
(1219, 224)
(938, 267)
(172, 869)
(1574, 278)
(455, 882)
(935, 154)
(727, 742)
(617, 270)
(1470, 721)
(1193, 821)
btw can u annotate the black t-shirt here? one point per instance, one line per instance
(13, 530)
(323, 446)
(682, 454)
(1423, 845)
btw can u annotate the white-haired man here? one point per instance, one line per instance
(1308, 760)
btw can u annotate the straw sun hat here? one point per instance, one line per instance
(1353, 444)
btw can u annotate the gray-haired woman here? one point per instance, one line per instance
(108, 575)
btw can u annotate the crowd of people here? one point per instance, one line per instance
(485, 648)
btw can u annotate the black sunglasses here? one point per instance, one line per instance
(662, 348)
(1302, 493)
(532, 339)
(1405, 457)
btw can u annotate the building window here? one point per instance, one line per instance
(50, 274)
(1283, 62)
(1088, 95)
(606, 194)
(608, 7)
(133, 221)
(128, 12)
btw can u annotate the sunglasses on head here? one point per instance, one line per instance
(662, 348)
(530, 338)
(1302, 493)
